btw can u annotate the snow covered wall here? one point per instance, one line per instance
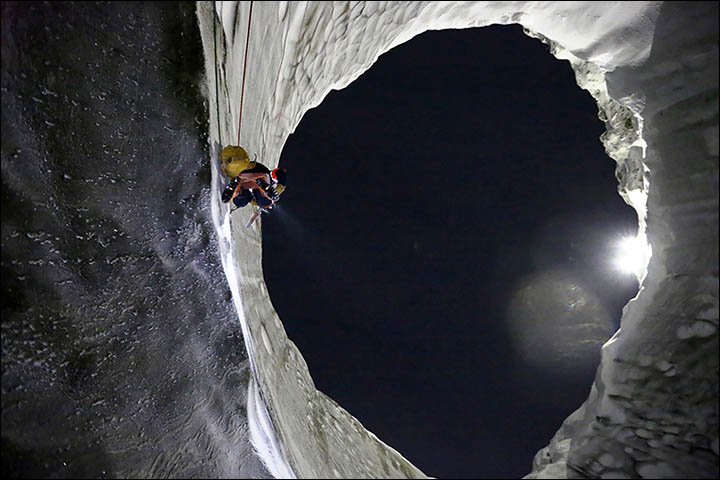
(653, 69)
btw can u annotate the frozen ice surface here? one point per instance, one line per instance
(653, 69)
(120, 358)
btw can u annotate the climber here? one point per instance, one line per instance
(253, 186)
(257, 185)
(254, 182)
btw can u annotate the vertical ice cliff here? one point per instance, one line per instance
(653, 69)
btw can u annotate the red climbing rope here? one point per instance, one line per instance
(242, 91)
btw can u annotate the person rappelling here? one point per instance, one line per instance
(250, 182)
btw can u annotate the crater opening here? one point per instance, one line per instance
(444, 254)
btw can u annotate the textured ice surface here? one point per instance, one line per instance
(652, 68)
(121, 355)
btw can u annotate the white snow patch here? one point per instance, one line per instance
(262, 438)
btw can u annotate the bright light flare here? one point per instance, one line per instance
(632, 255)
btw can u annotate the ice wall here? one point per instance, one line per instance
(653, 69)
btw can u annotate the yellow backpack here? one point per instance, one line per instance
(234, 160)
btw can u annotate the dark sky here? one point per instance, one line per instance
(420, 198)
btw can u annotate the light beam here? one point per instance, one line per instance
(632, 255)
